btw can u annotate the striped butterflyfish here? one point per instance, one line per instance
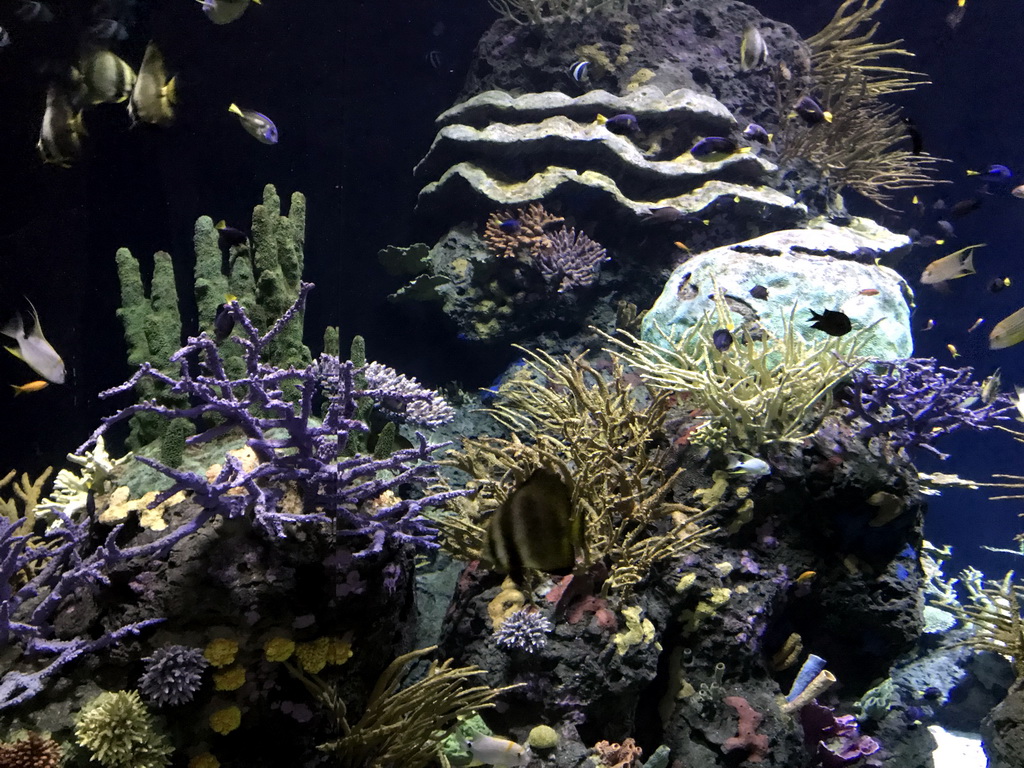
(533, 528)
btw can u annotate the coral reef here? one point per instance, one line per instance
(172, 676)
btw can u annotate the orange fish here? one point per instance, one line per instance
(680, 246)
(870, 292)
(32, 386)
(806, 576)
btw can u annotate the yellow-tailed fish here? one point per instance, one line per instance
(256, 124)
(32, 386)
(955, 265)
(60, 136)
(108, 79)
(753, 49)
(953, 351)
(34, 349)
(534, 528)
(153, 97)
(1008, 331)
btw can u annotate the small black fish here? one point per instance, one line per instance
(623, 124)
(224, 320)
(511, 226)
(759, 292)
(963, 207)
(998, 284)
(931, 692)
(946, 227)
(810, 111)
(229, 237)
(664, 215)
(722, 339)
(916, 141)
(831, 322)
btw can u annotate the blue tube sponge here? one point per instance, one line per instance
(811, 668)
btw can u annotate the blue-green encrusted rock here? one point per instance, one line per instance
(809, 269)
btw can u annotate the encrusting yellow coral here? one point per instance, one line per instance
(312, 656)
(230, 679)
(637, 630)
(226, 719)
(221, 651)
(205, 760)
(279, 648)
(339, 650)
(505, 603)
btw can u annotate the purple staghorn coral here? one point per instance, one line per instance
(570, 259)
(913, 402)
(274, 408)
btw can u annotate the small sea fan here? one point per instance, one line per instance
(405, 398)
(571, 260)
(173, 675)
(525, 629)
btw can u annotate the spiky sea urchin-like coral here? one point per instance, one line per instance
(119, 732)
(526, 629)
(173, 674)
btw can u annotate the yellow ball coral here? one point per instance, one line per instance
(279, 649)
(221, 651)
(230, 679)
(225, 720)
(312, 656)
(339, 650)
(205, 760)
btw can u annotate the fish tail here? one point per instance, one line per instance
(170, 91)
(17, 390)
(235, 110)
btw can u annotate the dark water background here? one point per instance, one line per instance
(350, 87)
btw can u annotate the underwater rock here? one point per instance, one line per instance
(811, 269)
(1003, 730)
(687, 44)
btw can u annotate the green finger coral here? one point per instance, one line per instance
(119, 732)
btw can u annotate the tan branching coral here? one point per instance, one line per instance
(593, 431)
(530, 239)
(26, 493)
(33, 751)
(756, 392)
(404, 726)
(864, 145)
(995, 615)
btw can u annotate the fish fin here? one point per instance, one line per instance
(601, 119)
(235, 110)
(15, 351)
(15, 327)
(37, 328)
(827, 115)
(170, 91)
(17, 390)
(220, 224)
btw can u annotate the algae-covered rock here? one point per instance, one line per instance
(802, 270)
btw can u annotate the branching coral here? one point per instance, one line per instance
(565, 258)
(913, 402)
(33, 751)
(565, 416)
(291, 446)
(404, 726)
(860, 146)
(995, 613)
(755, 392)
(172, 675)
(119, 732)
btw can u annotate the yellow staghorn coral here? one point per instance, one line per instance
(592, 431)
